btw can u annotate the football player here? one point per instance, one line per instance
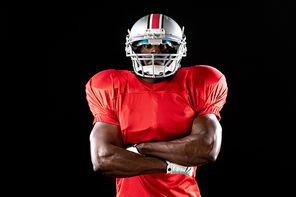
(155, 125)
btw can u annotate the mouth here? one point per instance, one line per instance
(156, 62)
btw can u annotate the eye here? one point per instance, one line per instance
(147, 46)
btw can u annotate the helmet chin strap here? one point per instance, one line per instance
(172, 64)
(157, 69)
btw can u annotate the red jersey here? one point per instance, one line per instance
(156, 112)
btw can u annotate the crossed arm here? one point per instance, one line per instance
(111, 159)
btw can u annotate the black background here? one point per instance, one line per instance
(53, 49)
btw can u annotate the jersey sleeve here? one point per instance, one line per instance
(209, 90)
(101, 89)
(216, 98)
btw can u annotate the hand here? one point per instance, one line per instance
(133, 148)
(173, 168)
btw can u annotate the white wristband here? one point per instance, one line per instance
(173, 168)
(134, 149)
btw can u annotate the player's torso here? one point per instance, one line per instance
(156, 112)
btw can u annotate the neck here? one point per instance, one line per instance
(154, 80)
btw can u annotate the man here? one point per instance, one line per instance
(155, 125)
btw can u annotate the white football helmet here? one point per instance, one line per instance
(156, 29)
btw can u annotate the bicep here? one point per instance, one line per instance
(102, 137)
(209, 129)
(104, 133)
(206, 123)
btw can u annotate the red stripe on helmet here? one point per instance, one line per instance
(155, 21)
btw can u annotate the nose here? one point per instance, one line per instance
(155, 49)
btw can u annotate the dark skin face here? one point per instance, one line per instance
(154, 49)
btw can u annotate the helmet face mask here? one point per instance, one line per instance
(171, 45)
(156, 29)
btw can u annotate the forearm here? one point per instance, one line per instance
(192, 150)
(119, 163)
(200, 147)
(109, 158)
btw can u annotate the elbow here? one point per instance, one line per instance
(100, 165)
(212, 148)
(203, 159)
(212, 157)
(100, 157)
(97, 167)
(207, 156)
(100, 160)
(96, 164)
(212, 154)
